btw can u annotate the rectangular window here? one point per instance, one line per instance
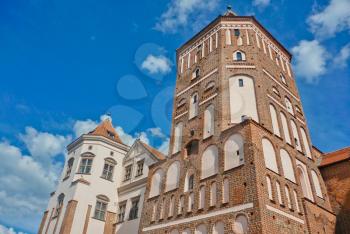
(134, 209)
(108, 171)
(240, 82)
(127, 173)
(85, 166)
(190, 182)
(139, 168)
(121, 213)
(100, 210)
(237, 32)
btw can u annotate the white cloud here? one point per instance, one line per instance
(156, 132)
(83, 126)
(310, 60)
(331, 20)
(341, 59)
(164, 147)
(261, 3)
(43, 146)
(25, 185)
(183, 13)
(5, 230)
(156, 64)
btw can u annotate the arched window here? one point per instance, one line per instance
(86, 163)
(239, 56)
(287, 165)
(192, 147)
(219, 228)
(228, 37)
(213, 194)
(275, 90)
(177, 137)
(189, 180)
(316, 183)
(59, 205)
(209, 162)
(69, 167)
(225, 191)
(289, 202)
(306, 143)
(242, 98)
(269, 155)
(201, 229)
(234, 152)
(208, 122)
(173, 176)
(285, 128)
(283, 79)
(171, 206)
(190, 202)
(304, 182)
(289, 105)
(181, 102)
(101, 207)
(269, 188)
(274, 119)
(181, 205)
(295, 135)
(240, 225)
(174, 231)
(193, 112)
(210, 85)
(108, 168)
(201, 197)
(156, 183)
(196, 73)
(296, 202)
(279, 194)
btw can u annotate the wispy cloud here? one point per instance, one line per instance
(182, 14)
(156, 64)
(310, 60)
(341, 59)
(10, 230)
(261, 3)
(332, 19)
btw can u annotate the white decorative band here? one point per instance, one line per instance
(180, 115)
(203, 78)
(241, 66)
(208, 99)
(199, 217)
(284, 214)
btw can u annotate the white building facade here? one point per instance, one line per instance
(101, 187)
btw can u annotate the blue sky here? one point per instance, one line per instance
(63, 64)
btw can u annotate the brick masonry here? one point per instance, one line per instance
(247, 183)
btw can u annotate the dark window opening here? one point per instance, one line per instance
(239, 56)
(192, 147)
(190, 182)
(240, 83)
(237, 32)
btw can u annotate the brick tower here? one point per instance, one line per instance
(240, 158)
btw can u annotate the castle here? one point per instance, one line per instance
(240, 158)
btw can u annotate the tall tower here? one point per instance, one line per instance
(240, 158)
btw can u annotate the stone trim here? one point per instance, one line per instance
(284, 214)
(87, 218)
(43, 221)
(180, 115)
(48, 224)
(241, 66)
(208, 99)
(200, 217)
(81, 180)
(68, 217)
(109, 223)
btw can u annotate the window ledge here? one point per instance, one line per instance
(110, 180)
(102, 220)
(80, 173)
(65, 178)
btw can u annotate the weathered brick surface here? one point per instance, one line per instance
(247, 182)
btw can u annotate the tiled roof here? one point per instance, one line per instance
(336, 156)
(153, 151)
(106, 129)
